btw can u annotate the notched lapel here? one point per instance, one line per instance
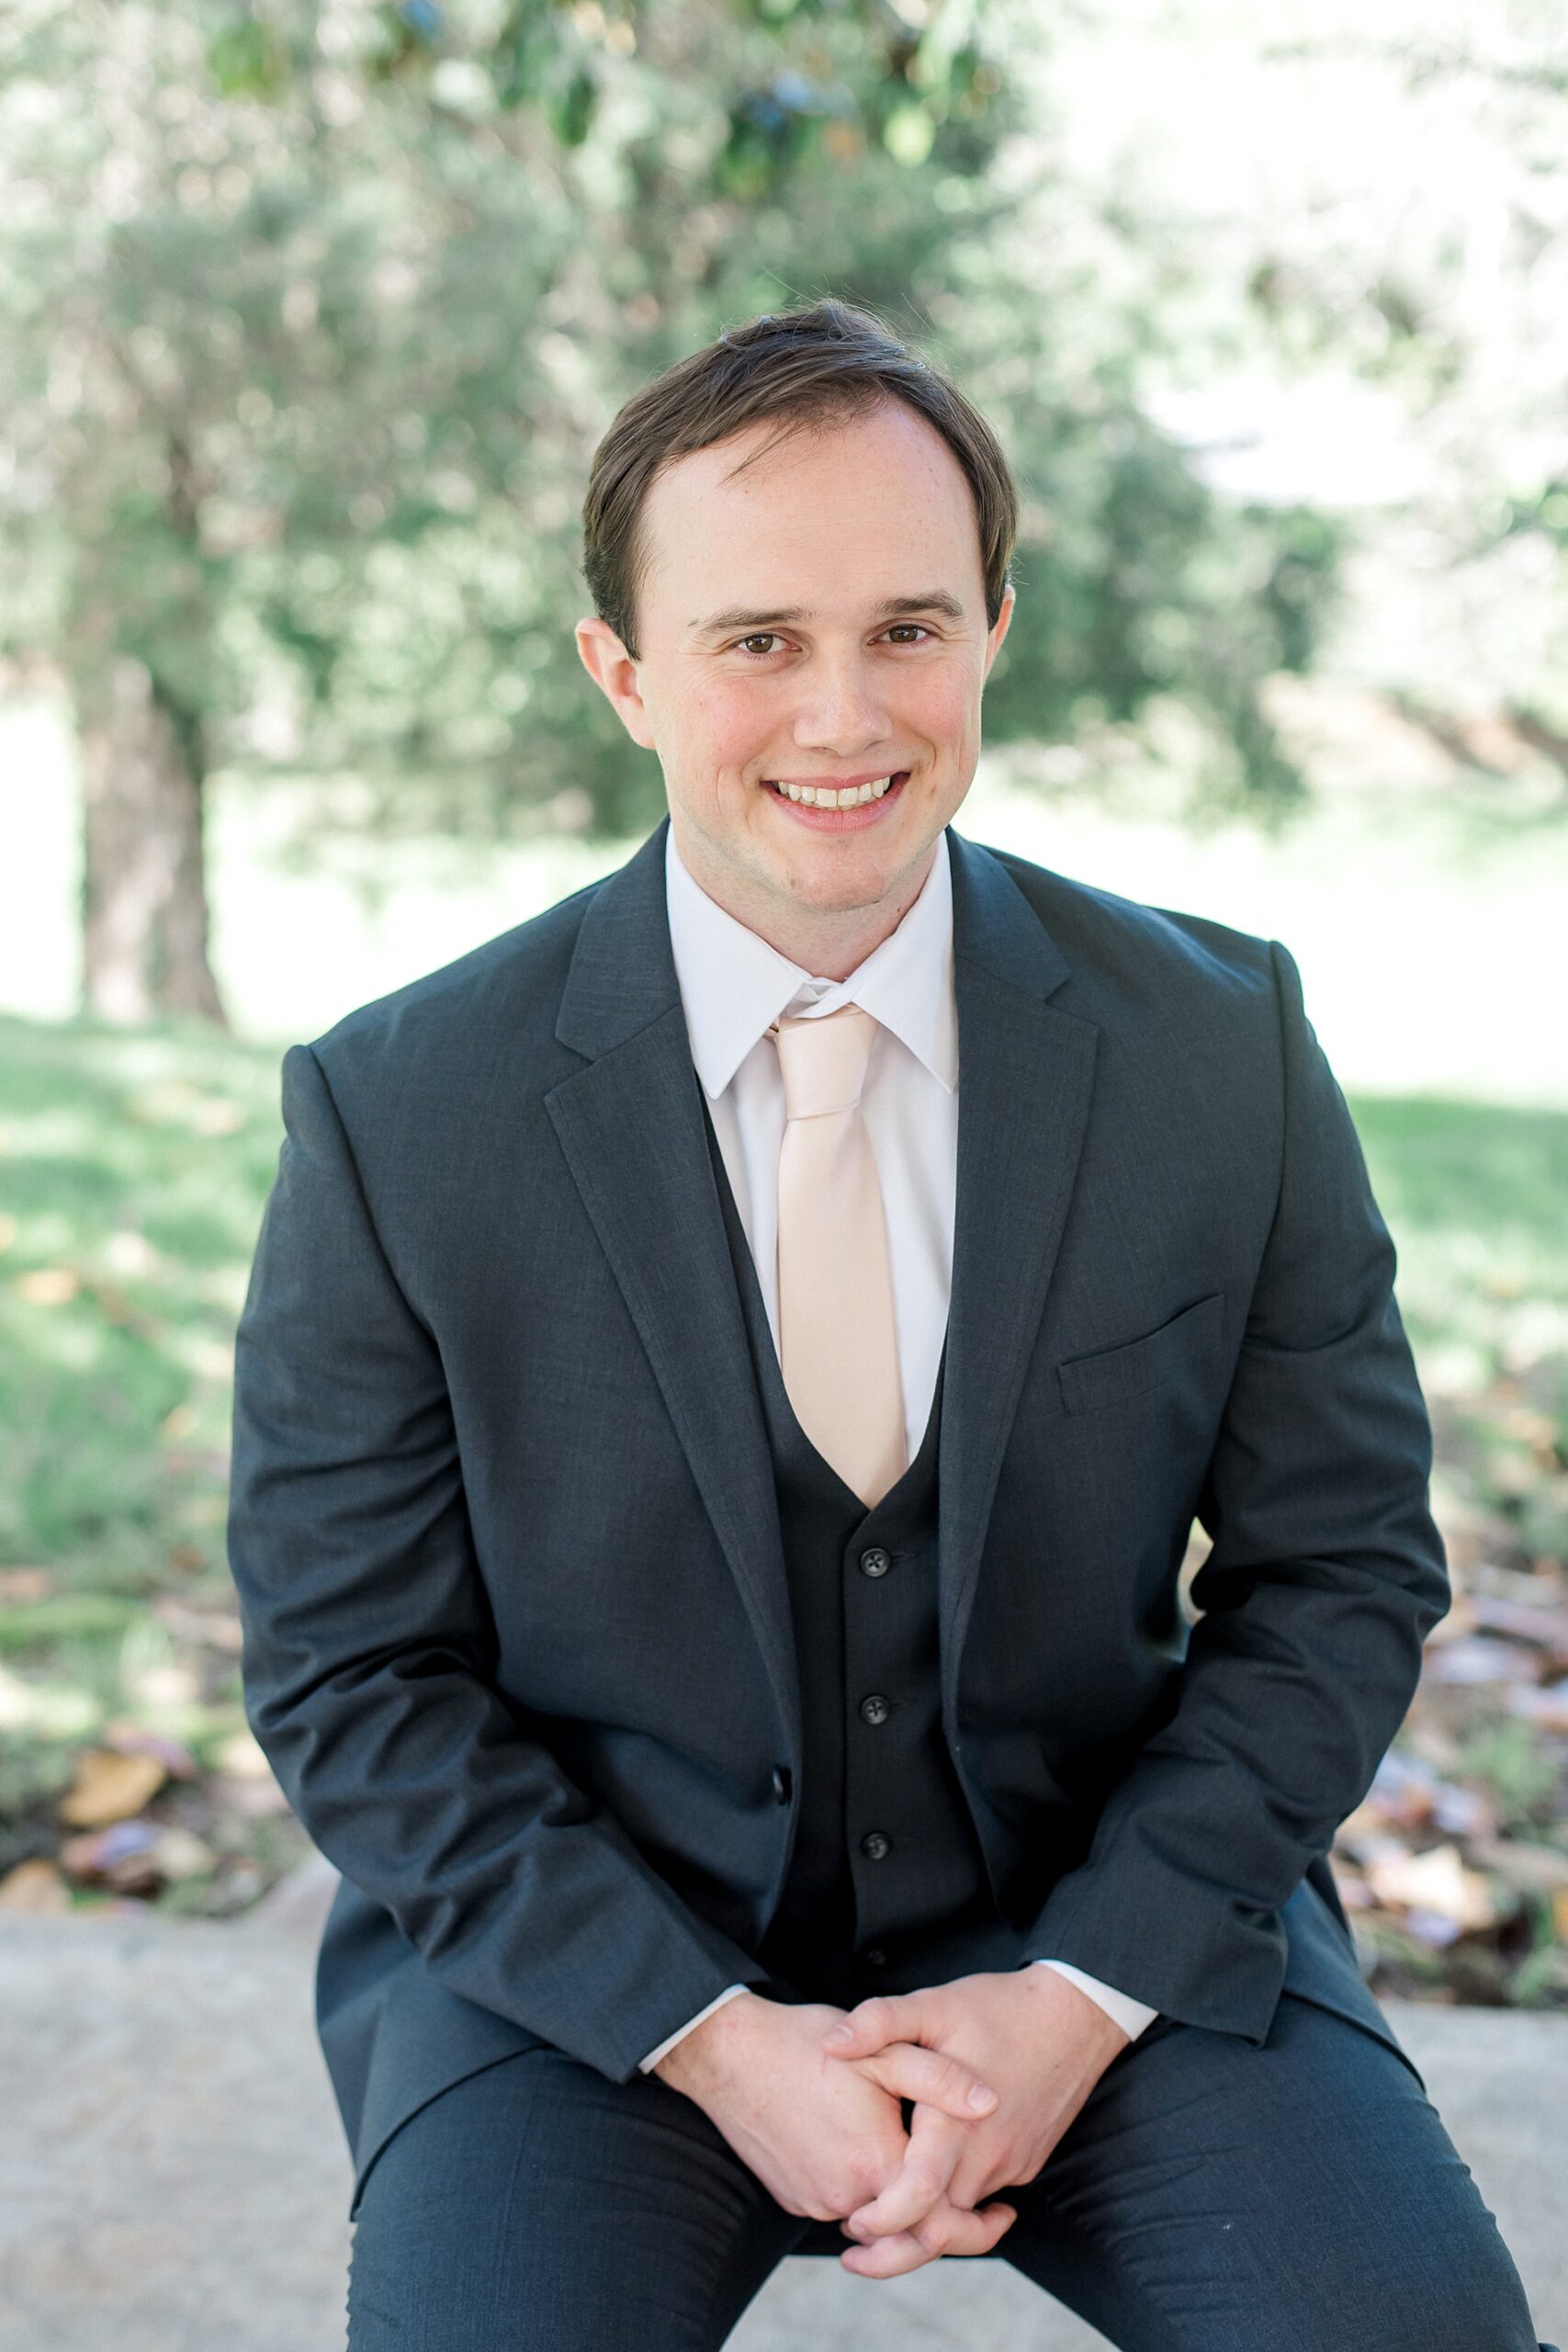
(630, 1125)
(1026, 1079)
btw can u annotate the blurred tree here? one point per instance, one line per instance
(310, 316)
(1346, 234)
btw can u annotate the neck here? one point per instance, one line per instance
(829, 942)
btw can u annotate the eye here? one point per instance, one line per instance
(920, 625)
(763, 636)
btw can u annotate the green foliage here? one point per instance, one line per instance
(1506, 1758)
(310, 318)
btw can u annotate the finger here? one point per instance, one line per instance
(886, 2016)
(921, 2182)
(968, 2235)
(931, 2077)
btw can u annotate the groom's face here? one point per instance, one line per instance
(817, 619)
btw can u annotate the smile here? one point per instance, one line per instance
(815, 796)
(827, 797)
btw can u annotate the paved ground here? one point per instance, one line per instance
(173, 2177)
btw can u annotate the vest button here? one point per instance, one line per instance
(874, 1562)
(875, 1709)
(874, 1956)
(874, 1845)
(782, 1782)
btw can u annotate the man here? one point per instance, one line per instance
(729, 1373)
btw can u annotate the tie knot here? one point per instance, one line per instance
(822, 1058)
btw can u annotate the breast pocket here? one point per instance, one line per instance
(1115, 1375)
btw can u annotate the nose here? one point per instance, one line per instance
(841, 710)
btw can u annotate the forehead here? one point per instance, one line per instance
(855, 506)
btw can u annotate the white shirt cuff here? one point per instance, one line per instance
(1130, 2015)
(646, 2065)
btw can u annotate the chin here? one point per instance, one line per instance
(839, 887)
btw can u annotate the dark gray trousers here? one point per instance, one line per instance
(1212, 2197)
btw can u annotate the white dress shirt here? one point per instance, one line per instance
(733, 987)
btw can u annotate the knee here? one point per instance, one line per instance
(1466, 2296)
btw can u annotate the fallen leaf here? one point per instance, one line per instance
(1532, 1868)
(1434, 1928)
(36, 1886)
(130, 1738)
(1548, 1708)
(1404, 1789)
(1482, 1657)
(1436, 1882)
(109, 1787)
(1462, 1812)
(180, 1854)
(1524, 1620)
(96, 1852)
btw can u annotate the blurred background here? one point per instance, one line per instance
(311, 317)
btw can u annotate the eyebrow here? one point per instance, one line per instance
(936, 600)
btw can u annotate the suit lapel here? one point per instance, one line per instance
(1025, 1077)
(630, 1124)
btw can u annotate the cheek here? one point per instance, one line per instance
(939, 706)
(732, 725)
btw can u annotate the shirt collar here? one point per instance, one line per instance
(734, 985)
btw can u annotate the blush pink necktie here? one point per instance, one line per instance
(838, 1345)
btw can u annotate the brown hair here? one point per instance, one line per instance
(823, 363)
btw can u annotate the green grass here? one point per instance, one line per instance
(133, 1170)
(133, 1166)
(1476, 1198)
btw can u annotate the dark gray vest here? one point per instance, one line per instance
(887, 1887)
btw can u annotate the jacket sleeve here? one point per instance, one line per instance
(368, 1647)
(1325, 1575)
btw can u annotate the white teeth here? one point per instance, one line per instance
(827, 798)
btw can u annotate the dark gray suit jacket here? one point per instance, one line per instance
(517, 1631)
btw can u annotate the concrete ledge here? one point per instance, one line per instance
(173, 2177)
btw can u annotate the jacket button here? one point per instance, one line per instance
(782, 1782)
(874, 1845)
(875, 1709)
(874, 1562)
(874, 1957)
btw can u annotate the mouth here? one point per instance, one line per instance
(849, 807)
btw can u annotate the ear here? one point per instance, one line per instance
(1004, 622)
(617, 675)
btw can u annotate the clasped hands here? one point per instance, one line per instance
(809, 2097)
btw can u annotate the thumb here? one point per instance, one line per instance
(872, 2024)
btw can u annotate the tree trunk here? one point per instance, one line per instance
(144, 887)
